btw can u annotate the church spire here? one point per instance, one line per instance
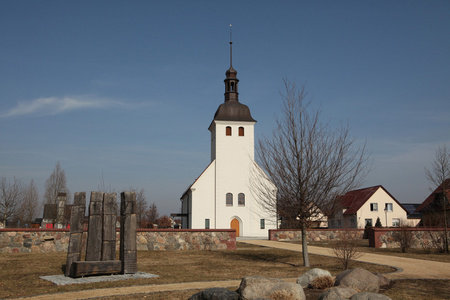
(231, 81)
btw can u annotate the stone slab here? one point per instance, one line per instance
(63, 280)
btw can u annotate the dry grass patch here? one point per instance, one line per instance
(419, 289)
(20, 272)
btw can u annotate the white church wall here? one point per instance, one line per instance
(203, 199)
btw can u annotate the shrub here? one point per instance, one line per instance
(346, 248)
(378, 223)
(322, 282)
(404, 236)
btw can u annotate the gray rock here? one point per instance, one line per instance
(360, 279)
(369, 296)
(310, 275)
(257, 287)
(383, 281)
(215, 294)
(253, 280)
(338, 293)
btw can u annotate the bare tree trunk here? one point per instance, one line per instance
(305, 246)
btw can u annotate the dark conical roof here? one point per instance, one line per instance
(233, 111)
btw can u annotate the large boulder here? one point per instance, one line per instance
(215, 294)
(369, 296)
(360, 279)
(337, 293)
(257, 287)
(310, 275)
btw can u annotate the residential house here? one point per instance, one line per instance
(361, 208)
(433, 207)
(414, 217)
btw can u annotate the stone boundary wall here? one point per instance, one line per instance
(316, 235)
(16, 240)
(421, 237)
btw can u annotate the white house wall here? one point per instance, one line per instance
(380, 197)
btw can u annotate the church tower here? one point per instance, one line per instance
(222, 197)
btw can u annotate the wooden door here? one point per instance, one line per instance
(235, 225)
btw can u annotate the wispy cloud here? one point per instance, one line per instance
(58, 105)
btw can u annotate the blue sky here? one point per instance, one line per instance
(128, 89)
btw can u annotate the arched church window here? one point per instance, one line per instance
(229, 199)
(241, 131)
(232, 87)
(228, 131)
(241, 199)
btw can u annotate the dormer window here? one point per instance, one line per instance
(228, 131)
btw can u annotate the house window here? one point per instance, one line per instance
(262, 223)
(373, 206)
(388, 207)
(206, 223)
(395, 222)
(229, 199)
(352, 223)
(339, 223)
(228, 131)
(241, 131)
(368, 222)
(241, 199)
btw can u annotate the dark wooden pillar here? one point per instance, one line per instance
(94, 240)
(109, 226)
(76, 231)
(128, 226)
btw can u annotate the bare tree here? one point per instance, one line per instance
(11, 196)
(152, 214)
(346, 247)
(30, 203)
(439, 176)
(310, 163)
(56, 183)
(404, 236)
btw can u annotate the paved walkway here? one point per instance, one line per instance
(409, 268)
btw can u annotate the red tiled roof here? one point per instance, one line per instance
(431, 197)
(353, 200)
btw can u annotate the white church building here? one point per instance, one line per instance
(223, 196)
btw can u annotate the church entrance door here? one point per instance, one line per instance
(235, 225)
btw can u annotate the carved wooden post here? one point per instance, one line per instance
(76, 230)
(128, 225)
(109, 226)
(94, 240)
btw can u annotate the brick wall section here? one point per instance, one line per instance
(316, 235)
(385, 237)
(56, 240)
